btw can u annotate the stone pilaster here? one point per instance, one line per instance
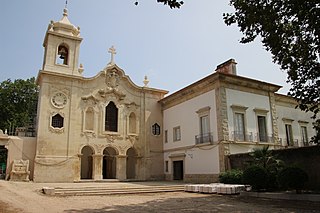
(97, 167)
(121, 167)
(273, 110)
(222, 124)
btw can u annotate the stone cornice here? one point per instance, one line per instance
(285, 100)
(214, 81)
(59, 35)
(124, 78)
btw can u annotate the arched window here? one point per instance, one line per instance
(57, 121)
(63, 53)
(132, 123)
(111, 119)
(89, 119)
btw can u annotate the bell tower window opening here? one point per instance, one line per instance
(62, 56)
(57, 121)
(111, 118)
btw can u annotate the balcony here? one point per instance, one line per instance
(204, 138)
(294, 143)
(240, 136)
(251, 137)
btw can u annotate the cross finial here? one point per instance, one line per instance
(112, 51)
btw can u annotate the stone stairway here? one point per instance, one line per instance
(103, 190)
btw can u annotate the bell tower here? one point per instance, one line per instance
(62, 44)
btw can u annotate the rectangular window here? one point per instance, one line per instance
(262, 128)
(204, 125)
(167, 166)
(239, 127)
(166, 136)
(289, 135)
(304, 135)
(176, 134)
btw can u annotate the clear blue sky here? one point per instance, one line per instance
(174, 48)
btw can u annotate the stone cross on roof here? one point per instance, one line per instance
(112, 50)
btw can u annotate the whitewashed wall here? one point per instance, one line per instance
(198, 159)
(295, 115)
(251, 101)
(185, 115)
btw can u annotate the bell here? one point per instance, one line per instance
(62, 52)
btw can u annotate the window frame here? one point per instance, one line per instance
(165, 136)
(175, 133)
(113, 123)
(238, 109)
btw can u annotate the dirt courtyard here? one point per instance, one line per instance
(27, 197)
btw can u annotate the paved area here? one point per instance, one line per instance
(27, 197)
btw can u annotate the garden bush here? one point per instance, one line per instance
(292, 177)
(256, 176)
(233, 176)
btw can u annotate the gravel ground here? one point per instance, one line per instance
(26, 197)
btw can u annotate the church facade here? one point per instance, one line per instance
(93, 128)
(108, 128)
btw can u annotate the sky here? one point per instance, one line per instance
(173, 47)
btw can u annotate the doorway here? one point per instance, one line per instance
(178, 170)
(86, 162)
(109, 163)
(3, 161)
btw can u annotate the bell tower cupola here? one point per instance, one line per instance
(62, 45)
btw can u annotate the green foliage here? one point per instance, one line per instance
(290, 30)
(256, 176)
(292, 177)
(171, 3)
(18, 103)
(233, 176)
(264, 157)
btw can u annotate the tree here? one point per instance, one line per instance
(290, 30)
(171, 3)
(18, 103)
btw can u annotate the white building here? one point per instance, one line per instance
(224, 114)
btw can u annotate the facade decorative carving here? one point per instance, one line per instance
(56, 130)
(90, 99)
(111, 138)
(99, 148)
(88, 134)
(123, 149)
(131, 105)
(112, 79)
(108, 90)
(132, 138)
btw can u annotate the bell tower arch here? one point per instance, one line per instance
(61, 47)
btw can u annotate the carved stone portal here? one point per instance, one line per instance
(20, 170)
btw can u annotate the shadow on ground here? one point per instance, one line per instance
(210, 203)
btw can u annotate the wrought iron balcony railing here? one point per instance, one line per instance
(204, 138)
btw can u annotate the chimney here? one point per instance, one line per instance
(229, 67)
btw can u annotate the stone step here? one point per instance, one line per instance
(84, 191)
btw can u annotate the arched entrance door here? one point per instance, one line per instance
(131, 163)
(86, 162)
(3, 161)
(109, 163)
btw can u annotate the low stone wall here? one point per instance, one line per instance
(201, 178)
(307, 158)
